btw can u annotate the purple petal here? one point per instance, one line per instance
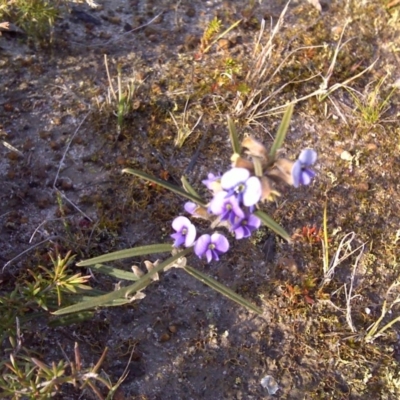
(308, 157)
(239, 232)
(211, 178)
(209, 255)
(220, 241)
(252, 193)
(179, 239)
(227, 207)
(217, 204)
(215, 255)
(190, 236)
(247, 231)
(201, 245)
(190, 207)
(296, 173)
(306, 176)
(253, 222)
(236, 207)
(180, 222)
(233, 177)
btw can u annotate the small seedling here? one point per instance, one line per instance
(208, 39)
(374, 331)
(120, 98)
(27, 377)
(40, 291)
(212, 29)
(183, 128)
(371, 105)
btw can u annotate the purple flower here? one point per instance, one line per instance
(185, 232)
(211, 181)
(211, 246)
(226, 207)
(244, 227)
(238, 182)
(301, 174)
(195, 210)
(190, 207)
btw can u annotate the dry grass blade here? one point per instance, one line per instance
(348, 293)
(373, 332)
(262, 76)
(256, 77)
(183, 129)
(257, 74)
(343, 252)
(12, 148)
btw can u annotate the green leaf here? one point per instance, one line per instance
(117, 302)
(121, 294)
(71, 319)
(115, 272)
(166, 185)
(74, 299)
(271, 224)
(233, 137)
(212, 283)
(281, 134)
(188, 187)
(127, 253)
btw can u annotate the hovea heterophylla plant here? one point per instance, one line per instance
(233, 212)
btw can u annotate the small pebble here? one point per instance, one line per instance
(191, 12)
(346, 156)
(224, 44)
(371, 146)
(165, 337)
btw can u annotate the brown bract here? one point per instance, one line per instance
(282, 169)
(256, 149)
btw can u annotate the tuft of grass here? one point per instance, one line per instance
(269, 61)
(370, 104)
(35, 17)
(182, 126)
(26, 377)
(42, 289)
(121, 97)
(23, 373)
(375, 331)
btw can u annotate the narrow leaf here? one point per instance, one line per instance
(117, 303)
(71, 319)
(115, 272)
(212, 283)
(233, 136)
(127, 253)
(188, 187)
(271, 224)
(122, 293)
(165, 184)
(281, 134)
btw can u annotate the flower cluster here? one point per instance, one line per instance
(236, 195)
(210, 246)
